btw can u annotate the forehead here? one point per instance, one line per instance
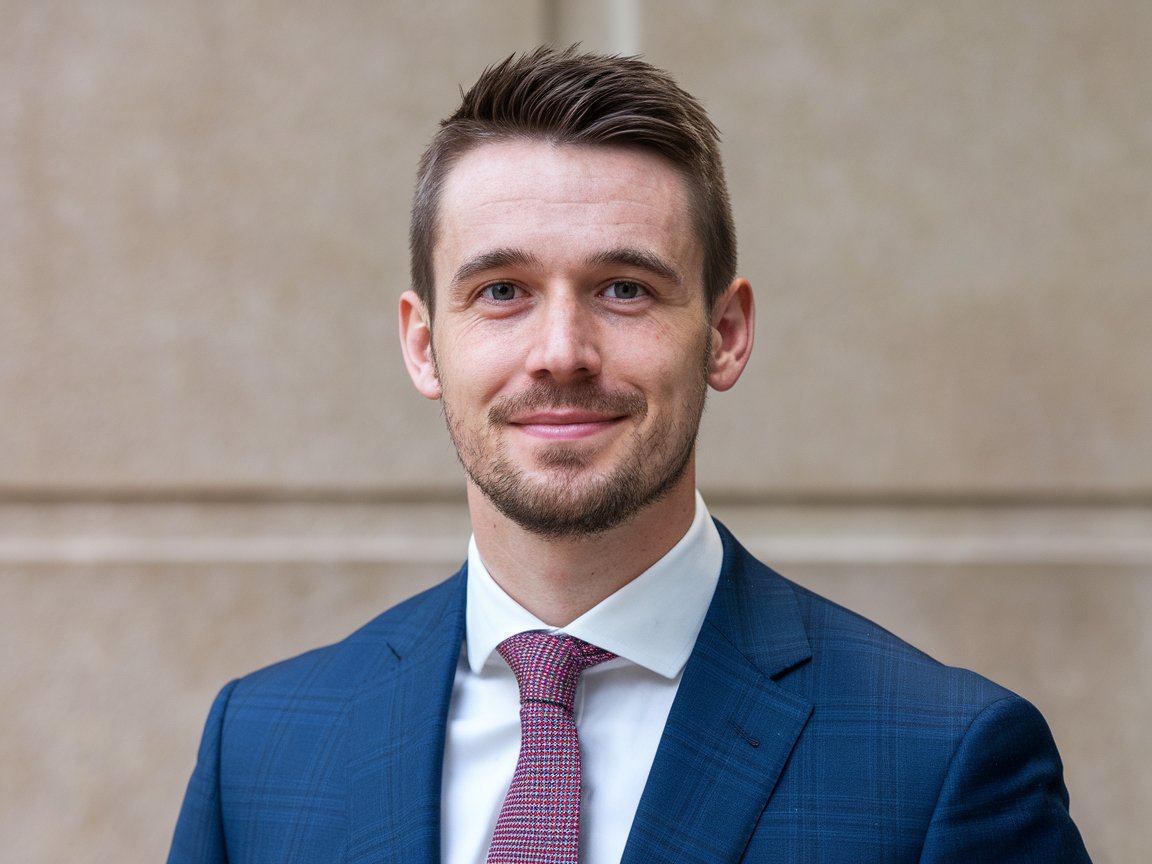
(560, 201)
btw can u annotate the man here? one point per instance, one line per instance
(673, 700)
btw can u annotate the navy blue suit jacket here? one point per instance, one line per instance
(800, 733)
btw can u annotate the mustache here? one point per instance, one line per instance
(585, 396)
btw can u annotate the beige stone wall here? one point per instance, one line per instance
(945, 208)
(210, 456)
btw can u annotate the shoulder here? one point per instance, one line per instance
(341, 668)
(849, 658)
(286, 720)
(958, 763)
(281, 738)
(852, 652)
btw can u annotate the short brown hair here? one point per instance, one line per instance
(569, 97)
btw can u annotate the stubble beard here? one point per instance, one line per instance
(570, 501)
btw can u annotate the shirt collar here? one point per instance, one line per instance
(652, 621)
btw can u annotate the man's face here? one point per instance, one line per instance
(571, 337)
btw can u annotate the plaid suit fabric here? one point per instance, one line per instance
(539, 822)
(800, 732)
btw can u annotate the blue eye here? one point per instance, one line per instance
(500, 291)
(622, 290)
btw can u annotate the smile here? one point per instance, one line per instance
(564, 424)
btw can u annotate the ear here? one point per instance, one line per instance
(416, 343)
(733, 329)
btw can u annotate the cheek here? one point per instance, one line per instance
(473, 369)
(674, 359)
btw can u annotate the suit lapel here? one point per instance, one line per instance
(397, 739)
(731, 728)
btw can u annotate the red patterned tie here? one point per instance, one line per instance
(540, 820)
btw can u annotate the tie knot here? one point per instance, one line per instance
(548, 667)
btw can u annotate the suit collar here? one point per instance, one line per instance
(756, 610)
(728, 736)
(731, 729)
(398, 722)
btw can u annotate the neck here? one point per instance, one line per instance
(559, 579)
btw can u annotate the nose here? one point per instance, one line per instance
(565, 340)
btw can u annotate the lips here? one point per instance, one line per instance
(564, 424)
(562, 416)
(574, 409)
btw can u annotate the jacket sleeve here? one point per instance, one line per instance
(1003, 799)
(199, 835)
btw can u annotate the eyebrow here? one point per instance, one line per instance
(494, 259)
(497, 259)
(640, 259)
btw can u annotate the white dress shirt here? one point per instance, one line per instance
(651, 625)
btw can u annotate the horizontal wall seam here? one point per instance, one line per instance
(450, 551)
